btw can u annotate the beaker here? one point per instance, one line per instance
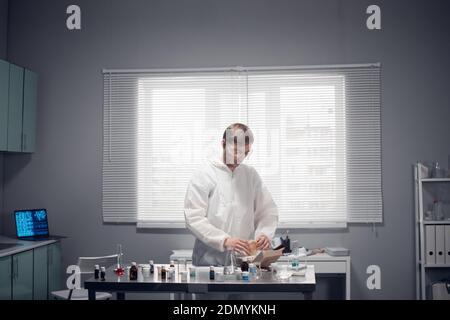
(230, 262)
(284, 272)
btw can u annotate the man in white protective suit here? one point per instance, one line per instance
(227, 204)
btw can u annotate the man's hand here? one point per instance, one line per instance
(263, 242)
(237, 245)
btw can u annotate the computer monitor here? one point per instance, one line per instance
(31, 223)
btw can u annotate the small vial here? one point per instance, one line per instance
(245, 276)
(252, 270)
(171, 270)
(295, 262)
(103, 273)
(192, 271)
(238, 273)
(211, 273)
(133, 271)
(152, 267)
(96, 271)
(163, 273)
(140, 274)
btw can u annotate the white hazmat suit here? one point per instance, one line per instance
(221, 203)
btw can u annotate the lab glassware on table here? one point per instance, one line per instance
(119, 270)
(201, 283)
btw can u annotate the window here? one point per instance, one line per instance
(306, 117)
(317, 140)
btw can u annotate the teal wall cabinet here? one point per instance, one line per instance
(4, 98)
(40, 273)
(5, 278)
(18, 103)
(29, 111)
(31, 274)
(22, 269)
(54, 267)
(15, 108)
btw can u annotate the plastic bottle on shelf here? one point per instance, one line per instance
(437, 172)
(438, 213)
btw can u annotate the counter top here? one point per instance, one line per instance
(21, 245)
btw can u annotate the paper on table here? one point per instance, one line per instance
(266, 257)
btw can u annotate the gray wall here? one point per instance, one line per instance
(3, 55)
(3, 28)
(64, 174)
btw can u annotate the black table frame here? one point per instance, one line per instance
(121, 288)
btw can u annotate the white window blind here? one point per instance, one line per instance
(320, 152)
(317, 140)
(171, 122)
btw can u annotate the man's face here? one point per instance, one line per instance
(235, 153)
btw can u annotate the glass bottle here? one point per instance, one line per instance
(152, 267)
(102, 273)
(163, 273)
(211, 273)
(133, 271)
(96, 271)
(287, 243)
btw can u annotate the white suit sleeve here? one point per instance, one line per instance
(195, 210)
(266, 211)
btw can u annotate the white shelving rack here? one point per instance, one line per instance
(424, 188)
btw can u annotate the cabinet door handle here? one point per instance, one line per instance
(15, 268)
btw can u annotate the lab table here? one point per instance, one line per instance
(201, 284)
(324, 265)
